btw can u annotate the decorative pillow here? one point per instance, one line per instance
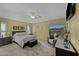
(20, 34)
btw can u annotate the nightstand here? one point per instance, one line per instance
(5, 40)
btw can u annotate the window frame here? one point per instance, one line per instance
(4, 30)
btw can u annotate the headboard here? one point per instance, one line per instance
(13, 32)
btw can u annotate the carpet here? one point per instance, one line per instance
(41, 49)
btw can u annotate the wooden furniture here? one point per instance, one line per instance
(32, 42)
(14, 32)
(62, 50)
(5, 41)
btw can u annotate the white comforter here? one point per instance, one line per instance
(22, 39)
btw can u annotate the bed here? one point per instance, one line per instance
(22, 38)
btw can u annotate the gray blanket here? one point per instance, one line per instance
(22, 39)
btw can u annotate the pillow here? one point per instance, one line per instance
(24, 33)
(28, 33)
(20, 34)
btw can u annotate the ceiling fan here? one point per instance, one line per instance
(34, 14)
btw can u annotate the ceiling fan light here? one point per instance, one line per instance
(32, 17)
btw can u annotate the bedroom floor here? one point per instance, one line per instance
(41, 49)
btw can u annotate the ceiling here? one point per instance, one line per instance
(39, 11)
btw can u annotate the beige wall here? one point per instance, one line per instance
(11, 23)
(74, 28)
(41, 29)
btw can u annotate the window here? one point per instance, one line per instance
(3, 29)
(28, 29)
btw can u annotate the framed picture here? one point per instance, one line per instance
(18, 27)
(14, 27)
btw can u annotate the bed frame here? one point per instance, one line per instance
(14, 32)
(26, 44)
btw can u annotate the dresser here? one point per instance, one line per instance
(61, 50)
(5, 40)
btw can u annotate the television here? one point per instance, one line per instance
(70, 11)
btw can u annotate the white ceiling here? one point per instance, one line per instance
(22, 11)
